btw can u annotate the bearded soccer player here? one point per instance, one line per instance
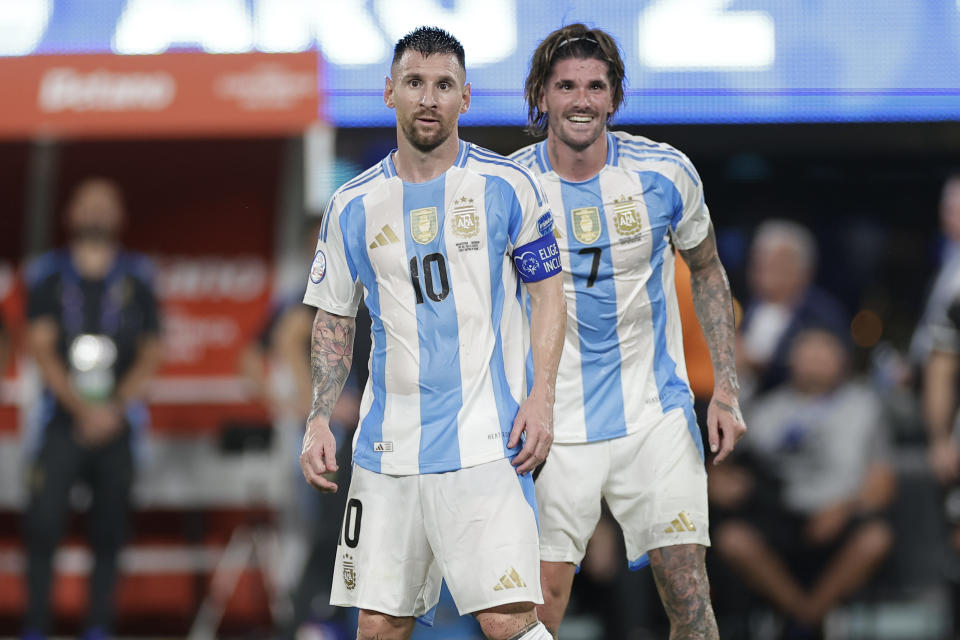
(438, 237)
(625, 427)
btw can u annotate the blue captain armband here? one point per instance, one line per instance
(538, 260)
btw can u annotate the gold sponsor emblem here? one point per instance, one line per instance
(423, 224)
(385, 237)
(466, 223)
(586, 224)
(349, 572)
(626, 216)
(510, 580)
(680, 524)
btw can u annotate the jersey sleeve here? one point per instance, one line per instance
(333, 284)
(691, 224)
(535, 252)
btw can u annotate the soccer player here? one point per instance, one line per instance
(625, 426)
(437, 236)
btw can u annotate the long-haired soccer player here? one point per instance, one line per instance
(625, 426)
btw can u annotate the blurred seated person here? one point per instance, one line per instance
(804, 525)
(783, 302)
(93, 330)
(946, 284)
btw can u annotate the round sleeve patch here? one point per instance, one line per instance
(319, 267)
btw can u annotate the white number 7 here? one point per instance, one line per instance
(701, 35)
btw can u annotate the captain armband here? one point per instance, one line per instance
(538, 260)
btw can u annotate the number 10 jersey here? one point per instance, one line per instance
(439, 265)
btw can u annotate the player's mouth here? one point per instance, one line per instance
(580, 118)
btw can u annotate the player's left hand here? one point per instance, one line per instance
(535, 419)
(725, 425)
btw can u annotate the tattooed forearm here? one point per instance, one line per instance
(681, 577)
(331, 354)
(714, 305)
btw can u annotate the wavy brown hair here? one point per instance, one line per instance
(571, 41)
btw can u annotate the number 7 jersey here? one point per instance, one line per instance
(622, 365)
(439, 265)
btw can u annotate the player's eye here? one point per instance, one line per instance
(444, 85)
(415, 83)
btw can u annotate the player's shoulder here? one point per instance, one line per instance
(45, 266)
(361, 184)
(639, 153)
(527, 156)
(515, 174)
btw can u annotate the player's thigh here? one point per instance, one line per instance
(384, 562)
(482, 526)
(568, 498)
(657, 487)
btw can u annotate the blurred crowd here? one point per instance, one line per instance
(805, 517)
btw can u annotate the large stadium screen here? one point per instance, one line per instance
(688, 61)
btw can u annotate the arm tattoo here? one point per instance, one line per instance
(714, 305)
(681, 577)
(331, 354)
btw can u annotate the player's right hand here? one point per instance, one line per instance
(535, 421)
(318, 457)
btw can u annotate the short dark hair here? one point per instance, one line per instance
(571, 41)
(428, 41)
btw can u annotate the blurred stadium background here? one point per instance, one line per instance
(228, 123)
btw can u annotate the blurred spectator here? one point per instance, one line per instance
(946, 285)
(4, 346)
(805, 524)
(783, 261)
(93, 329)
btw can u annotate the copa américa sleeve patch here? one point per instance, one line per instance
(538, 260)
(319, 267)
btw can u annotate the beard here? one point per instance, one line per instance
(579, 143)
(425, 142)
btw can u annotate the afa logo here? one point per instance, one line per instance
(527, 263)
(319, 267)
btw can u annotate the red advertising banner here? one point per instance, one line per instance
(175, 94)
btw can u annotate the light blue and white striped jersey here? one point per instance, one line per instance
(439, 264)
(622, 365)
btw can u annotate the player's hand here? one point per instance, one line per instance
(535, 419)
(725, 425)
(944, 460)
(97, 423)
(319, 455)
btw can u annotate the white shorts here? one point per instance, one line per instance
(475, 527)
(653, 481)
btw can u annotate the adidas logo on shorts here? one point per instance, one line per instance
(510, 580)
(680, 524)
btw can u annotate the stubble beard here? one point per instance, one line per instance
(425, 143)
(556, 129)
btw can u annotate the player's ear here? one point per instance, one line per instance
(542, 101)
(465, 98)
(388, 92)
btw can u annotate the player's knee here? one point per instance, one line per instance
(736, 540)
(506, 620)
(375, 625)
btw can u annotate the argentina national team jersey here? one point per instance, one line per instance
(622, 365)
(439, 264)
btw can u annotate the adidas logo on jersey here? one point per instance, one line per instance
(383, 447)
(680, 524)
(385, 237)
(510, 580)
